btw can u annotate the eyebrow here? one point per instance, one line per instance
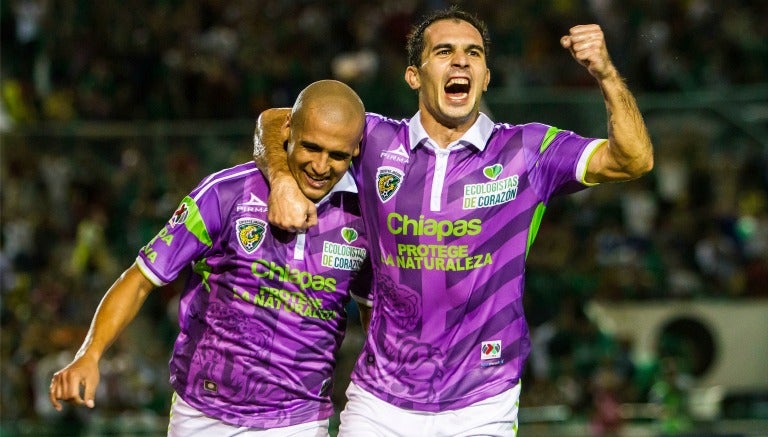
(315, 146)
(446, 45)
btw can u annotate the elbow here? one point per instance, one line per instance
(645, 165)
(647, 161)
(638, 168)
(649, 165)
(641, 163)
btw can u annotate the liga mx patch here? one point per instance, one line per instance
(388, 181)
(490, 350)
(250, 233)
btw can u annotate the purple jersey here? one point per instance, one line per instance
(451, 230)
(262, 314)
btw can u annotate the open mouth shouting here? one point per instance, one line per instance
(457, 89)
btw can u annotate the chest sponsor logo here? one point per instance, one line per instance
(179, 216)
(399, 154)
(488, 194)
(253, 204)
(291, 290)
(388, 181)
(250, 233)
(343, 256)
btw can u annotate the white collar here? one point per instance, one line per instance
(346, 183)
(477, 135)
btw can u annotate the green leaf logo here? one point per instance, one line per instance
(492, 171)
(349, 235)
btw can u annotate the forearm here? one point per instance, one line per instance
(365, 317)
(116, 310)
(629, 153)
(287, 207)
(268, 151)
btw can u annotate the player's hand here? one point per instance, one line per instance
(289, 209)
(66, 384)
(587, 45)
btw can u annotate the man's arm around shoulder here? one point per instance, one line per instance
(288, 208)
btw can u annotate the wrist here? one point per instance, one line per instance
(88, 355)
(610, 75)
(281, 177)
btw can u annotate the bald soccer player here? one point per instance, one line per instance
(262, 314)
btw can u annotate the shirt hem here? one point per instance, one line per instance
(436, 406)
(247, 420)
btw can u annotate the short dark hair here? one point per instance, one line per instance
(415, 44)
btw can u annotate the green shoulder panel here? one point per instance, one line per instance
(548, 137)
(194, 223)
(535, 223)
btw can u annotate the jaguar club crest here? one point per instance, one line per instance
(388, 181)
(250, 233)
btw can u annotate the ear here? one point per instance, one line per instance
(285, 131)
(412, 77)
(357, 149)
(487, 79)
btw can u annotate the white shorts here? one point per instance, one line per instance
(367, 415)
(186, 421)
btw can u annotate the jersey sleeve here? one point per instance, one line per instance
(558, 161)
(186, 237)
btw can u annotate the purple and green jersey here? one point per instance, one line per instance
(262, 314)
(450, 231)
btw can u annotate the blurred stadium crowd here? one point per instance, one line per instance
(175, 59)
(75, 211)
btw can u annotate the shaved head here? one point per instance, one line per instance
(324, 131)
(330, 100)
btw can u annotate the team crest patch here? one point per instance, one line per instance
(388, 181)
(250, 233)
(180, 215)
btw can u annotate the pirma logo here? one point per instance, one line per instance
(490, 350)
(250, 233)
(399, 154)
(388, 181)
(254, 204)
